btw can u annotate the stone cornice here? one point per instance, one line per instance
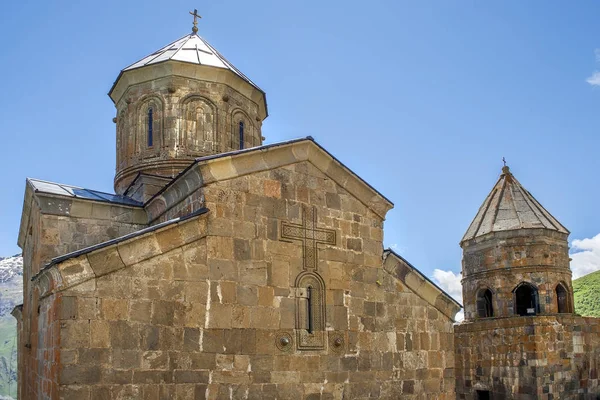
(190, 71)
(511, 270)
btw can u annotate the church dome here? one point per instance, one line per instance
(181, 102)
(509, 206)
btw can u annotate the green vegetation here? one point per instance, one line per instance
(586, 291)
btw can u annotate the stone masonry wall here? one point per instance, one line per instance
(543, 357)
(58, 226)
(207, 319)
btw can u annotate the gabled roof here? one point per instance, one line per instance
(419, 284)
(191, 49)
(61, 189)
(510, 206)
(233, 164)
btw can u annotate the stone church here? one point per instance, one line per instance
(224, 268)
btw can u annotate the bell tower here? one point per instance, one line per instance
(515, 257)
(518, 300)
(179, 103)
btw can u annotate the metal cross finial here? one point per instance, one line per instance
(505, 169)
(196, 16)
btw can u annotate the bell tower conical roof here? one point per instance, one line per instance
(510, 206)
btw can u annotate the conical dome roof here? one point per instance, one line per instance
(190, 49)
(510, 206)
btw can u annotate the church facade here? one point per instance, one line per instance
(222, 267)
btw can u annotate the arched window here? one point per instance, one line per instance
(485, 309)
(562, 299)
(241, 134)
(148, 139)
(526, 299)
(150, 126)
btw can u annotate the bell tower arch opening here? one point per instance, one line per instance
(485, 308)
(562, 299)
(526, 300)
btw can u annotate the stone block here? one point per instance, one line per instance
(140, 310)
(105, 261)
(220, 316)
(75, 270)
(222, 270)
(95, 356)
(155, 360)
(114, 309)
(75, 334)
(139, 249)
(124, 335)
(169, 238)
(79, 374)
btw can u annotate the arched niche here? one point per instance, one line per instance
(198, 125)
(310, 311)
(122, 140)
(149, 138)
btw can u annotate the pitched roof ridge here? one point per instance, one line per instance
(495, 218)
(227, 62)
(512, 198)
(159, 51)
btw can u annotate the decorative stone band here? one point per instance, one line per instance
(397, 266)
(526, 269)
(84, 265)
(225, 166)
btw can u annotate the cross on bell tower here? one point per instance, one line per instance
(196, 16)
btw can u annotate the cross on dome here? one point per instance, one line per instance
(196, 16)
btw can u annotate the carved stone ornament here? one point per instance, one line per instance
(284, 341)
(337, 342)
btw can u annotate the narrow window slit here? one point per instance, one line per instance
(150, 127)
(309, 309)
(241, 133)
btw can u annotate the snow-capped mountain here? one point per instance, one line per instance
(10, 267)
(11, 283)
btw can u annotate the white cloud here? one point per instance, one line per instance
(450, 282)
(594, 80)
(585, 255)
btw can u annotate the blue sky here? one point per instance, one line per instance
(421, 99)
